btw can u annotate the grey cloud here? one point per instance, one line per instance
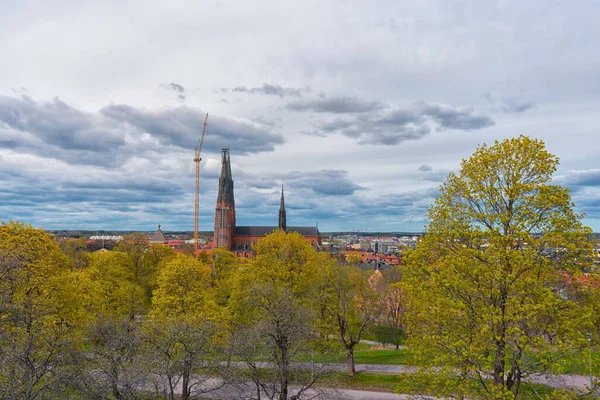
(390, 128)
(58, 124)
(425, 168)
(324, 182)
(175, 87)
(335, 105)
(269, 90)
(55, 129)
(182, 126)
(510, 105)
(398, 125)
(581, 178)
(455, 118)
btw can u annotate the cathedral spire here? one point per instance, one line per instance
(282, 218)
(226, 180)
(225, 211)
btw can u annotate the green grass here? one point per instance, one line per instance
(573, 363)
(392, 357)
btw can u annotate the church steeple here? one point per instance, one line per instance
(282, 219)
(225, 211)
(226, 180)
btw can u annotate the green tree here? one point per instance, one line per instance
(113, 286)
(274, 313)
(485, 285)
(76, 250)
(114, 366)
(183, 326)
(350, 304)
(40, 313)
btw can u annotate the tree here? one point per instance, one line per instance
(114, 366)
(274, 313)
(485, 285)
(114, 286)
(183, 326)
(40, 313)
(76, 250)
(394, 304)
(145, 260)
(350, 304)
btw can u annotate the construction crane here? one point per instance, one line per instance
(197, 160)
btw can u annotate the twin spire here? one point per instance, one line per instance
(225, 196)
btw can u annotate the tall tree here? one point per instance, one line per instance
(182, 327)
(350, 303)
(40, 313)
(274, 303)
(76, 250)
(486, 283)
(114, 285)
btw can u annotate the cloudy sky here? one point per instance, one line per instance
(361, 108)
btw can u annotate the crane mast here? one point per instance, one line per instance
(197, 159)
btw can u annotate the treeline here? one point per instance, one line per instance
(141, 321)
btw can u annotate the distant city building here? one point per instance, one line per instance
(106, 237)
(158, 237)
(240, 239)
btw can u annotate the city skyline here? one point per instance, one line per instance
(360, 109)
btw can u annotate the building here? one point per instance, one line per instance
(240, 239)
(158, 237)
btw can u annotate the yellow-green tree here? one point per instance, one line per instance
(76, 250)
(114, 286)
(182, 327)
(350, 305)
(486, 283)
(274, 312)
(40, 313)
(146, 259)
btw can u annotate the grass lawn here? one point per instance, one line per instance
(392, 357)
(574, 363)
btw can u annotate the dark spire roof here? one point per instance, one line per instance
(158, 236)
(282, 218)
(226, 180)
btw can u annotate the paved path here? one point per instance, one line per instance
(564, 381)
(246, 391)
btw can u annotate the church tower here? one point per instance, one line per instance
(225, 211)
(282, 219)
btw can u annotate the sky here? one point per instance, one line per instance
(360, 108)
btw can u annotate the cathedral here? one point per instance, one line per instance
(240, 239)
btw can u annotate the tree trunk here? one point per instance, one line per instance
(283, 395)
(500, 356)
(350, 361)
(185, 391)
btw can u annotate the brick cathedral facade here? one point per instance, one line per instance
(240, 239)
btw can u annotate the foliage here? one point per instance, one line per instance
(274, 313)
(183, 326)
(350, 305)
(39, 313)
(486, 284)
(113, 285)
(76, 250)
(115, 367)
